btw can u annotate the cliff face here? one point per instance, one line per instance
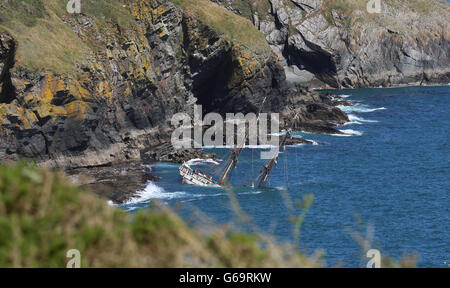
(114, 95)
(340, 44)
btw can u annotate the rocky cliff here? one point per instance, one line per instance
(339, 44)
(99, 87)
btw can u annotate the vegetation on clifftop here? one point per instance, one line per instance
(236, 28)
(46, 41)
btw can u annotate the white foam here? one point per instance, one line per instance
(206, 195)
(353, 120)
(358, 120)
(348, 133)
(250, 193)
(373, 110)
(198, 161)
(358, 108)
(344, 96)
(282, 133)
(152, 191)
(314, 143)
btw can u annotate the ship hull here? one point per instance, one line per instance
(192, 177)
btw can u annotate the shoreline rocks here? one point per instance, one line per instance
(117, 183)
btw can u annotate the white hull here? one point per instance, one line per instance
(192, 177)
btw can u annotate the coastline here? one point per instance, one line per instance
(413, 84)
(119, 180)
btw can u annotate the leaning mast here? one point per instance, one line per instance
(235, 154)
(269, 167)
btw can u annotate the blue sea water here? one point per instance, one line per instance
(390, 174)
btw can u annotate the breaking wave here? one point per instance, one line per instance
(349, 132)
(152, 191)
(359, 108)
(358, 120)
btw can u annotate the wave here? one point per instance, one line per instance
(355, 120)
(251, 193)
(282, 133)
(360, 119)
(314, 143)
(198, 161)
(344, 96)
(348, 133)
(373, 110)
(359, 108)
(153, 191)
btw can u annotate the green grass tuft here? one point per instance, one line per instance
(235, 27)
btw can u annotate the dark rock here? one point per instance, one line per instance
(317, 128)
(342, 103)
(166, 153)
(117, 183)
(297, 141)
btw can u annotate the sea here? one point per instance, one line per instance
(384, 184)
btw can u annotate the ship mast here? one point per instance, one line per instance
(269, 167)
(231, 164)
(235, 154)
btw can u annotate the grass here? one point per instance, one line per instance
(349, 7)
(418, 6)
(234, 27)
(44, 40)
(48, 44)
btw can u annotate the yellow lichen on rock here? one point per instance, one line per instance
(160, 11)
(28, 118)
(76, 89)
(22, 118)
(50, 86)
(246, 63)
(104, 91)
(48, 110)
(77, 109)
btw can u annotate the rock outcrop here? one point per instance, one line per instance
(339, 44)
(127, 82)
